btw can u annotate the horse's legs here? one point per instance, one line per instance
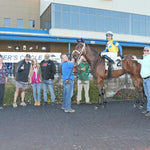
(140, 98)
(101, 94)
(104, 95)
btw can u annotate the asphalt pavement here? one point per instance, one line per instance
(118, 126)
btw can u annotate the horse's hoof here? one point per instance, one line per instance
(134, 105)
(95, 108)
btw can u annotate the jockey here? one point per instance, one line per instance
(111, 46)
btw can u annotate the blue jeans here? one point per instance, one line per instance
(36, 91)
(49, 84)
(146, 85)
(67, 94)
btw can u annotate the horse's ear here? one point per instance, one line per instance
(82, 40)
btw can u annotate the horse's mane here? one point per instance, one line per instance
(129, 56)
(93, 50)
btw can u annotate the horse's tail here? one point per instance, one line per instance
(109, 70)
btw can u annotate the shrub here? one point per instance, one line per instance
(58, 89)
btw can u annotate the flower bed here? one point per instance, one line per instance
(58, 88)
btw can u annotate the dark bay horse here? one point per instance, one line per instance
(97, 64)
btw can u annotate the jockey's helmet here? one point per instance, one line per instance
(109, 33)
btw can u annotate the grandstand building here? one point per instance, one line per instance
(54, 25)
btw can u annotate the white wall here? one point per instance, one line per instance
(130, 6)
(97, 35)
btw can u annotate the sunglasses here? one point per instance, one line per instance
(146, 50)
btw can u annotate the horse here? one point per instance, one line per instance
(99, 72)
(133, 68)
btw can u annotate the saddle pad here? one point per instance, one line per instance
(117, 59)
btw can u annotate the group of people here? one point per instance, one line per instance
(36, 75)
(43, 73)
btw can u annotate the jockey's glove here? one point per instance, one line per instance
(121, 55)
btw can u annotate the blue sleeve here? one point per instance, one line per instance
(118, 45)
(120, 48)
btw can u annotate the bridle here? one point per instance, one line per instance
(80, 52)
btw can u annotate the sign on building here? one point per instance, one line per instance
(15, 57)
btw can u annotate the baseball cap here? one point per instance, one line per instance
(27, 55)
(147, 48)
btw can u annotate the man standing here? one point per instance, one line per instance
(3, 80)
(22, 73)
(48, 69)
(67, 77)
(145, 74)
(83, 80)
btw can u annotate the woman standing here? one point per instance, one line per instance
(3, 80)
(35, 79)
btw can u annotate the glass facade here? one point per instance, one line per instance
(98, 20)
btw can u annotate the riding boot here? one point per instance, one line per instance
(109, 59)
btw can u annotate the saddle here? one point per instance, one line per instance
(117, 65)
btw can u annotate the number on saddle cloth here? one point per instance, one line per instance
(117, 59)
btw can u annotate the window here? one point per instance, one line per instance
(7, 22)
(47, 25)
(66, 20)
(99, 20)
(32, 24)
(57, 20)
(147, 25)
(19, 23)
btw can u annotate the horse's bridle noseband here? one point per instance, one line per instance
(80, 52)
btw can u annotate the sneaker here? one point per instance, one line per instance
(15, 105)
(1, 107)
(145, 112)
(23, 104)
(78, 102)
(62, 108)
(38, 103)
(69, 110)
(141, 107)
(35, 103)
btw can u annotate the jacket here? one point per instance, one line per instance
(31, 73)
(48, 69)
(113, 46)
(22, 75)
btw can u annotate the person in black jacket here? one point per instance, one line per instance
(48, 69)
(22, 73)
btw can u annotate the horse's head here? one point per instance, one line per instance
(80, 48)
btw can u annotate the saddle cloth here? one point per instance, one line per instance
(117, 59)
